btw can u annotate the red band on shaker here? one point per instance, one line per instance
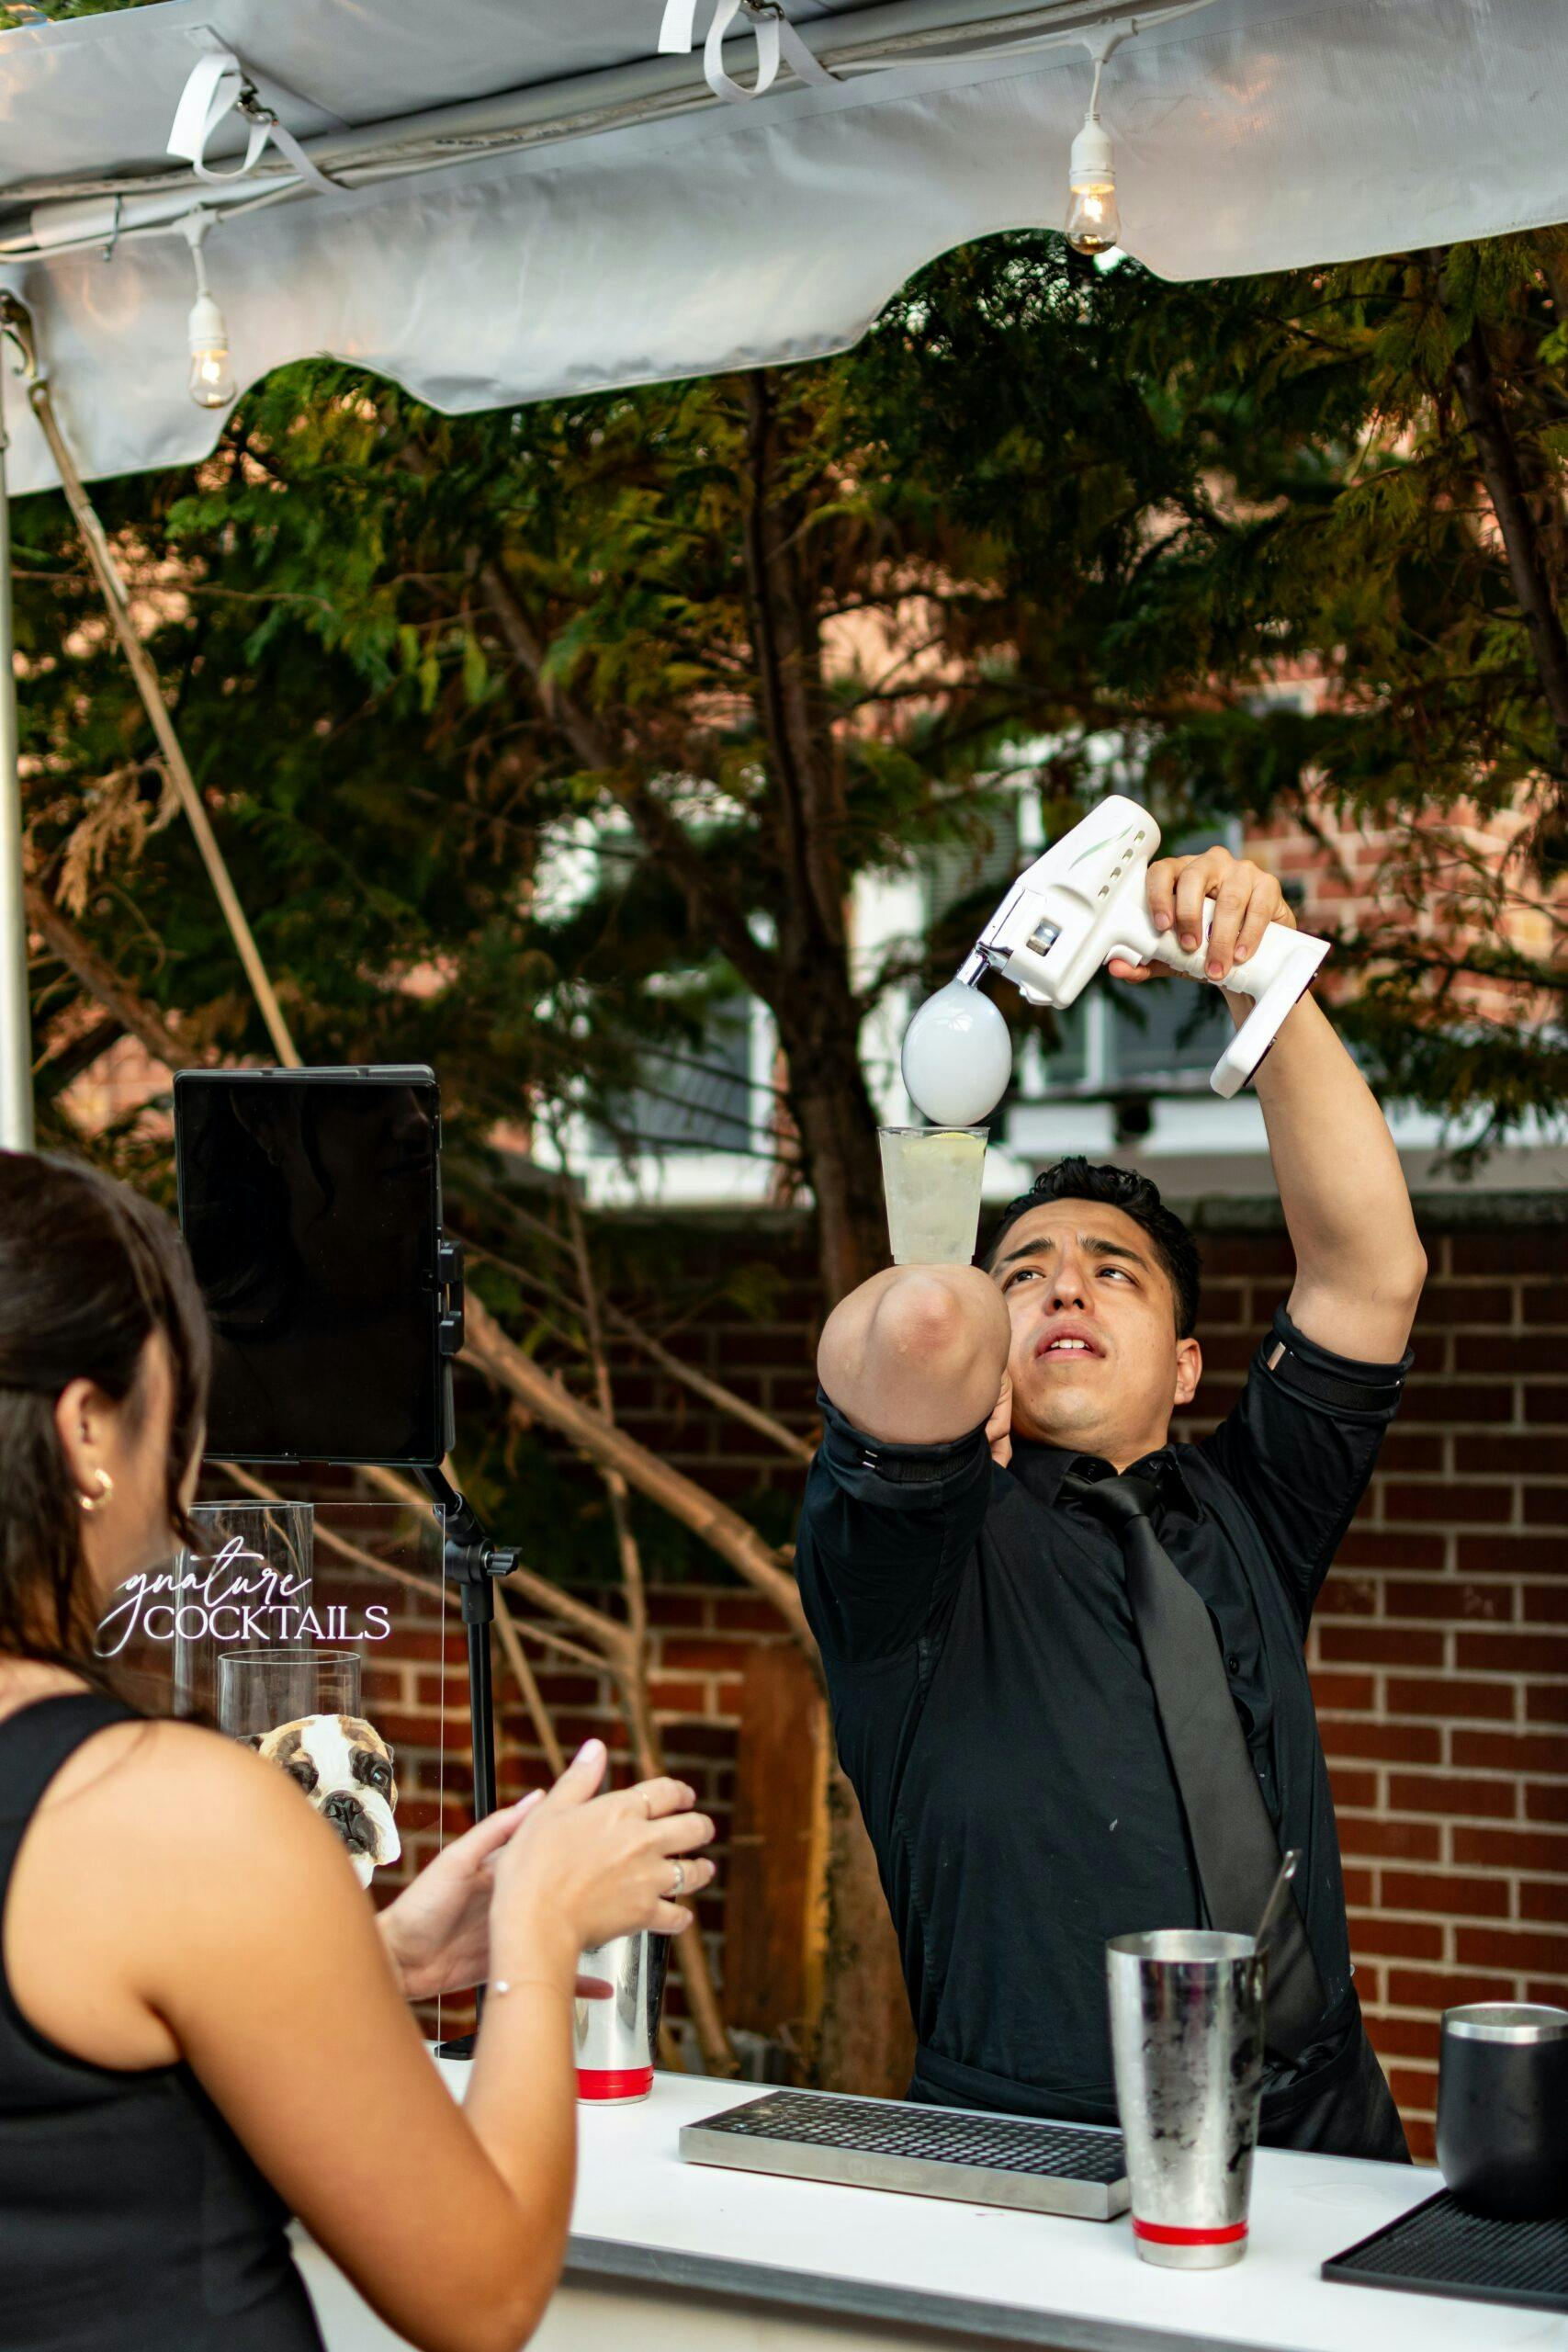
(1160, 2234)
(614, 2082)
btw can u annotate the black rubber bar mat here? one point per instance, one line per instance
(1013, 2161)
(1439, 2249)
(930, 2134)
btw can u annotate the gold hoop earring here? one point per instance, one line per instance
(106, 1489)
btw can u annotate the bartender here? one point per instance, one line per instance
(1065, 1656)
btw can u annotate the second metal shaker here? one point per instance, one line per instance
(1187, 2039)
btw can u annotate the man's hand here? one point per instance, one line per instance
(1247, 900)
(437, 1932)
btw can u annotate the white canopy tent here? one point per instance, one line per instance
(536, 202)
(502, 200)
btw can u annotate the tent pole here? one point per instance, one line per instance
(16, 1019)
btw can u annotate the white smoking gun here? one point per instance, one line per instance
(1085, 902)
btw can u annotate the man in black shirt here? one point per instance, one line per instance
(990, 1678)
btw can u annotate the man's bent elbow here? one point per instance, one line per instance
(920, 1320)
(919, 1315)
(916, 1356)
(1408, 1277)
(937, 1322)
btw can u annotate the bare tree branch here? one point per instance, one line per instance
(723, 1530)
(601, 1630)
(532, 1698)
(134, 1014)
(712, 1392)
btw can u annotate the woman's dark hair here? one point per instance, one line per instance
(88, 1272)
(1116, 1188)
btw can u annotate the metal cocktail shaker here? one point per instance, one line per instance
(1502, 2109)
(1187, 2040)
(618, 2034)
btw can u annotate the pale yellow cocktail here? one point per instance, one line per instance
(931, 1179)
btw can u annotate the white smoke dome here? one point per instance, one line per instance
(957, 1056)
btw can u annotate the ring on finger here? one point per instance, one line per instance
(679, 1888)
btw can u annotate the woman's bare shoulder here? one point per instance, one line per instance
(162, 1781)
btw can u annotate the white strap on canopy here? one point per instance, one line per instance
(219, 87)
(777, 43)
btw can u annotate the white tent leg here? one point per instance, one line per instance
(15, 1020)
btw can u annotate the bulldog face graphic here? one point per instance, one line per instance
(345, 1768)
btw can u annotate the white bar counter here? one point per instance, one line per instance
(665, 2254)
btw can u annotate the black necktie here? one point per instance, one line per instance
(1233, 1838)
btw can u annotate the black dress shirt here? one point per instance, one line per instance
(993, 1712)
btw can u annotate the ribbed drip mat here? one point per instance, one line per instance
(1439, 2249)
(922, 2150)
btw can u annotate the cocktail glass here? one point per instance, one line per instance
(930, 1179)
(258, 1690)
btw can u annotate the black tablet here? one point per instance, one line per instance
(310, 1203)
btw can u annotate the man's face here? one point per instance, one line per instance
(1095, 1360)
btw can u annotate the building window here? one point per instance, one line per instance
(693, 1097)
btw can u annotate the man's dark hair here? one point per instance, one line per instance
(1115, 1188)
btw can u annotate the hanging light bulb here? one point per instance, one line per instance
(1093, 223)
(211, 380)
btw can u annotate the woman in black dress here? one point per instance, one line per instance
(202, 2024)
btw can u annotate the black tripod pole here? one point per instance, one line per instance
(472, 1562)
(479, 1615)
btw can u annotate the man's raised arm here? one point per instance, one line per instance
(918, 1355)
(1359, 1263)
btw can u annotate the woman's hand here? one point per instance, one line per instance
(1247, 900)
(584, 1868)
(437, 1932)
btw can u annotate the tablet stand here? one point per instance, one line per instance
(471, 1561)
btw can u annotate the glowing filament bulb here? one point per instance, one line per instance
(1093, 223)
(211, 378)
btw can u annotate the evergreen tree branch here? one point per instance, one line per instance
(800, 754)
(1504, 478)
(595, 748)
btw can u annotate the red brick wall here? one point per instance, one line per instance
(1440, 1652)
